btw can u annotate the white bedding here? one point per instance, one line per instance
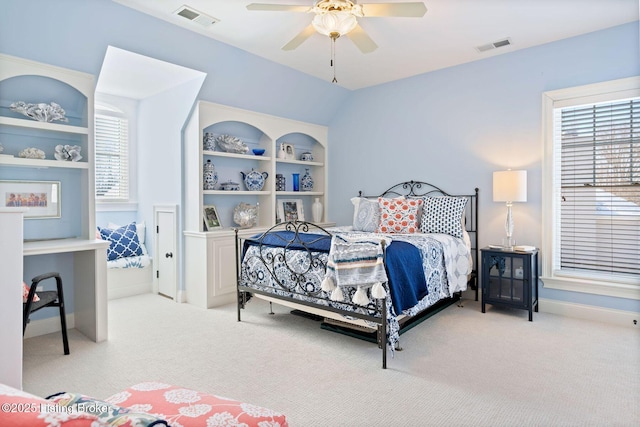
(141, 261)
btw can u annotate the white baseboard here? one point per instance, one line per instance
(588, 312)
(49, 325)
(129, 290)
(181, 296)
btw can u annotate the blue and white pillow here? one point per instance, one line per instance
(443, 215)
(124, 241)
(366, 214)
(140, 229)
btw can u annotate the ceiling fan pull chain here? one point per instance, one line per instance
(333, 59)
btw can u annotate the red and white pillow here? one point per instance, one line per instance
(399, 215)
(25, 294)
(184, 407)
(142, 405)
(21, 409)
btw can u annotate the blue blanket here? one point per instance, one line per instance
(280, 239)
(407, 283)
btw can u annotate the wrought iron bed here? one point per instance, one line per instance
(291, 282)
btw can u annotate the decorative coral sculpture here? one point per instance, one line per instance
(32, 153)
(68, 152)
(41, 112)
(231, 144)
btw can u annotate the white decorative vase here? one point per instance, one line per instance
(316, 210)
(282, 152)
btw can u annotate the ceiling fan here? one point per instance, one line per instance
(335, 18)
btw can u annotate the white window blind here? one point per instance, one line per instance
(112, 158)
(597, 188)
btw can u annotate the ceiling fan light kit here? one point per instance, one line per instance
(334, 24)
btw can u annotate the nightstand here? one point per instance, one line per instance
(510, 278)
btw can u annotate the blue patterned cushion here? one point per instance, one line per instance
(443, 215)
(366, 214)
(124, 241)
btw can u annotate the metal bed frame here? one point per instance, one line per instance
(376, 311)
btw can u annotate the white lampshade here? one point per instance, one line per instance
(334, 23)
(510, 186)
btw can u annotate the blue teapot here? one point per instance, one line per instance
(254, 180)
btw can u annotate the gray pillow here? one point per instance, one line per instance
(366, 214)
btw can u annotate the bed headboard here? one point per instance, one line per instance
(417, 189)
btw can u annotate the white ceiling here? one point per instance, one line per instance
(447, 35)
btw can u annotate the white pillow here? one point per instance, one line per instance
(366, 214)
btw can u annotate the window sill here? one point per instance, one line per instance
(590, 286)
(116, 206)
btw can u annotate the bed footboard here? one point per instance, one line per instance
(291, 257)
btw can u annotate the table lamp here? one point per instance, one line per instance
(509, 186)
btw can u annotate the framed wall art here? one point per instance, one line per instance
(290, 210)
(41, 197)
(211, 218)
(290, 151)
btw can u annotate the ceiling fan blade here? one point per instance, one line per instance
(362, 40)
(277, 7)
(406, 9)
(300, 38)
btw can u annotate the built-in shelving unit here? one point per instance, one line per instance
(73, 232)
(210, 255)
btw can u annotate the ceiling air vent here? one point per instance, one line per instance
(494, 45)
(194, 16)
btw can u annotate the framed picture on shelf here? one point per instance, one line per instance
(290, 210)
(290, 151)
(211, 218)
(41, 197)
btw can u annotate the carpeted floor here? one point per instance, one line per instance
(458, 368)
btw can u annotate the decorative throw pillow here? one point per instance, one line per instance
(399, 215)
(140, 229)
(124, 241)
(366, 214)
(107, 413)
(25, 294)
(443, 215)
(190, 408)
(21, 409)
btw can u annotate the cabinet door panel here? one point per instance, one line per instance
(224, 262)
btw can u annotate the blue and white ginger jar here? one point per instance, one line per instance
(306, 182)
(209, 176)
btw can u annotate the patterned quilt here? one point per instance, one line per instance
(446, 262)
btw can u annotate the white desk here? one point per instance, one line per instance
(89, 280)
(11, 222)
(90, 288)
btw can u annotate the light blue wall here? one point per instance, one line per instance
(454, 127)
(75, 34)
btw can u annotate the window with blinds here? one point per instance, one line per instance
(597, 188)
(112, 158)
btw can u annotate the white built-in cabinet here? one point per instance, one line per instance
(73, 231)
(210, 270)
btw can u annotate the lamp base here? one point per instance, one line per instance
(508, 243)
